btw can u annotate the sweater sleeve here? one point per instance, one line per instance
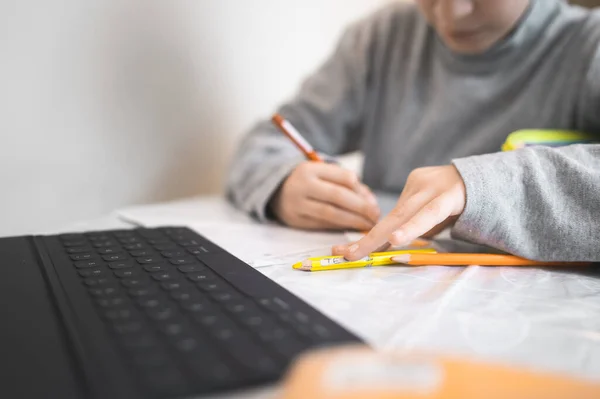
(539, 203)
(327, 111)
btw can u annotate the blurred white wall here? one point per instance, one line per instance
(116, 102)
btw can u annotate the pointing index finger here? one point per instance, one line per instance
(376, 238)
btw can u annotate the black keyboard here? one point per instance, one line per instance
(186, 316)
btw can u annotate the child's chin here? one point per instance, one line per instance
(468, 46)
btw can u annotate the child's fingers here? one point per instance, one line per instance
(338, 175)
(344, 198)
(334, 216)
(407, 206)
(429, 216)
(377, 237)
(340, 250)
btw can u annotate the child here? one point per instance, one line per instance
(423, 90)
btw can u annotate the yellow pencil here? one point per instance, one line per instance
(339, 262)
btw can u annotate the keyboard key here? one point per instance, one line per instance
(201, 276)
(149, 302)
(129, 240)
(120, 265)
(211, 286)
(145, 260)
(160, 267)
(321, 331)
(159, 240)
(256, 321)
(301, 317)
(183, 261)
(143, 291)
(241, 307)
(173, 253)
(114, 257)
(104, 244)
(75, 243)
(79, 250)
(111, 302)
(88, 264)
(205, 249)
(172, 285)
(188, 243)
(195, 250)
(219, 326)
(135, 282)
(136, 246)
(162, 313)
(191, 268)
(94, 282)
(109, 250)
(91, 272)
(164, 276)
(141, 252)
(173, 329)
(127, 273)
(185, 295)
(165, 246)
(104, 291)
(223, 334)
(82, 257)
(277, 305)
(198, 305)
(123, 233)
(224, 296)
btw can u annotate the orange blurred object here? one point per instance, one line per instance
(358, 372)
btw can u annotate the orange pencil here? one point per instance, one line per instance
(292, 133)
(442, 259)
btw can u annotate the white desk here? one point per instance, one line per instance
(546, 319)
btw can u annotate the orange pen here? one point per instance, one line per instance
(292, 133)
(454, 259)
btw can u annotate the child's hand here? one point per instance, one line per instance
(325, 196)
(432, 196)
